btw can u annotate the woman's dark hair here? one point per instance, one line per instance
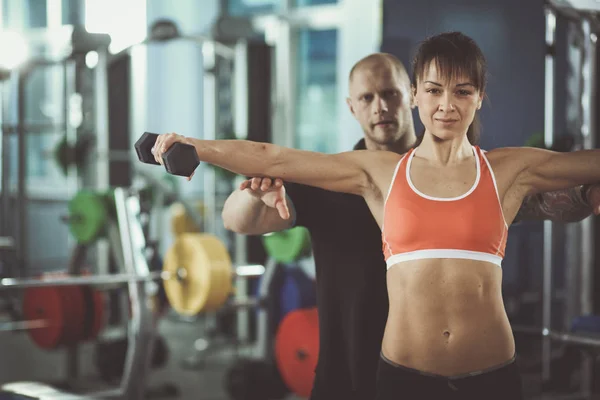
(455, 55)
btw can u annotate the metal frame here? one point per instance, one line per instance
(548, 139)
(588, 130)
(138, 278)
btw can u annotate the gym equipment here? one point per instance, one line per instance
(109, 356)
(88, 214)
(66, 155)
(180, 159)
(297, 291)
(250, 379)
(125, 234)
(197, 273)
(71, 314)
(289, 245)
(35, 390)
(580, 106)
(197, 270)
(297, 349)
(181, 222)
(77, 154)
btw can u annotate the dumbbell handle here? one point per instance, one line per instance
(179, 159)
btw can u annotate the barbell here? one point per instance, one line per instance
(197, 276)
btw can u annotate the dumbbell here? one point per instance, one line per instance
(180, 159)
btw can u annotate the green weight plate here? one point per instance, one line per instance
(289, 245)
(87, 216)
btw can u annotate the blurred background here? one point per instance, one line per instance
(82, 80)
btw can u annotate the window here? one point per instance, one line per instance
(249, 7)
(125, 27)
(316, 90)
(305, 3)
(44, 110)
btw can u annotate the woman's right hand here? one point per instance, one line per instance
(270, 191)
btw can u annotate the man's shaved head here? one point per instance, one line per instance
(380, 100)
(377, 61)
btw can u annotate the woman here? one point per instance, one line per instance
(444, 209)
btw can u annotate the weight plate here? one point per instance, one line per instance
(45, 303)
(200, 273)
(297, 349)
(87, 216)
(74, 314)
(289, 245)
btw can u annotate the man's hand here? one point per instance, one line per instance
(271, 192)
(593, 197)
(562, 206)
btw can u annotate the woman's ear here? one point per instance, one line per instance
(413, 97)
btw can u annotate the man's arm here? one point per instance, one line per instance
(568, 205)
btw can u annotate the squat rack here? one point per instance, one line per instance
(579, 279)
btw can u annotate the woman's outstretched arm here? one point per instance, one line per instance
(541, 170)
(348, 172)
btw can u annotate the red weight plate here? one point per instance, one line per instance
(74, 320)
(297, 349)
(45, 303)
(98, 310)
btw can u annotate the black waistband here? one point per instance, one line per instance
(460, 376)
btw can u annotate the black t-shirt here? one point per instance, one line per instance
(351, 288)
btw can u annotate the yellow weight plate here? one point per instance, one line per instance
(181, 222)
(199, 273)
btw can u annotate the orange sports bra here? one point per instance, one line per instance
(417, 226)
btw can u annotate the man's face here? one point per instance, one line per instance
(380, 102)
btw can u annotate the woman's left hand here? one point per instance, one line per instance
(166, 140)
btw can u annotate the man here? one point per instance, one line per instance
(350, 268)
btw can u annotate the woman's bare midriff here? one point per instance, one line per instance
(447, 317)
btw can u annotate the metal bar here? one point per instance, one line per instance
(221, 49)
(9, 129)
(548, 139)
(575, 339)
(564, 337)
(250, 270)
(142, 324)
(211, 111)
(101, 179)
(5, 172)
(23, 325)
(16, 283)
(262, 346)
(21, 228)
(588, 131)
(248, 302)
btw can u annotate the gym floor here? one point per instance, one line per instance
(203, 383)
(21, 360)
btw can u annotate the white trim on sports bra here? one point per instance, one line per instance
(443, 253)
(414, 189)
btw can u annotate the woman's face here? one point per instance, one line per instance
(446, 108)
